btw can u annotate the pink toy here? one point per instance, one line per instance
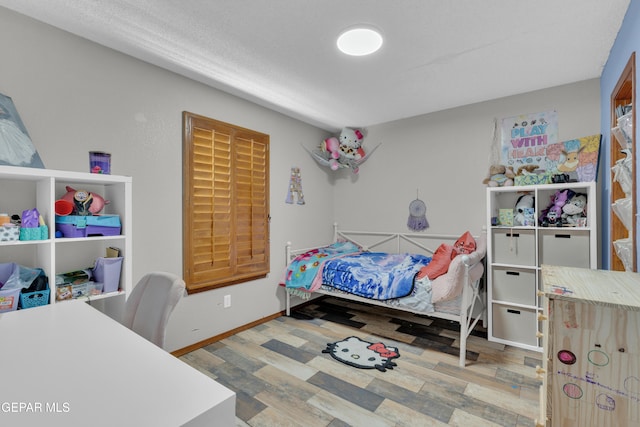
(84, 202)
(332, 146)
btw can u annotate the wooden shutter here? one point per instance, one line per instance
(226, 209)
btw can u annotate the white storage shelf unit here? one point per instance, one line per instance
(515, 255)
(27, 188)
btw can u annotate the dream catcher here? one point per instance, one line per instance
(417, 215)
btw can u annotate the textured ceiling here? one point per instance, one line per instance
(437, 54)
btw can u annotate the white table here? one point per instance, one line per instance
(68, 364)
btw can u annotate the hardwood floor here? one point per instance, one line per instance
(282, 378)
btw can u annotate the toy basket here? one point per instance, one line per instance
(34, 299)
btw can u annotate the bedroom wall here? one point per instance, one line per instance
(627, 42)
(75, 96)
(445, 156)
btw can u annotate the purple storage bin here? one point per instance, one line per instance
(107, 272)
(9, 299)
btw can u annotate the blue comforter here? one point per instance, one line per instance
(374, 275)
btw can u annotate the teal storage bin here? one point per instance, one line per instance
(34, 299)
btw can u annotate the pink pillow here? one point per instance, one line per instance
(465, 244)
(439, 263)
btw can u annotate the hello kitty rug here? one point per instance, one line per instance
(362, 354)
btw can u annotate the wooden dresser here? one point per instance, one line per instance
(591, 333)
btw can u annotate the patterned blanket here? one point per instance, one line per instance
(300, 273)
(374, 275)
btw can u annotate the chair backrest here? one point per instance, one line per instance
(150, 304)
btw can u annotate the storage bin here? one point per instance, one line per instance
(9, 232)
(515, 324)
(34, 299)
(514, 285)
(107, 272)
(9, 299)
(85, 226)
(514, 246)
(564, 247)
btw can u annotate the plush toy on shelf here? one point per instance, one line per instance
(552, 215)
(499, 176)
(575, 210)
(344, 151)
(524, 213)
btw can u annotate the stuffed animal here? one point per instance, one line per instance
(84, 202)
(500, 176)
(552, 215)
(351, 144)
(526, 170)
(575, 209)
(332, 147)
(524, 213)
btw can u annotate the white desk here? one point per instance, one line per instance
(69, 365)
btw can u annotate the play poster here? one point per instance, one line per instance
(532, 140)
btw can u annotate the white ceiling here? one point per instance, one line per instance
(437, 54)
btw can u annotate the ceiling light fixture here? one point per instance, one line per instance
(359, 41)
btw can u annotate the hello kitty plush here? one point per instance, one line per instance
(361, 354)
(351, 143)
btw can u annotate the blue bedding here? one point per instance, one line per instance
(374, 275)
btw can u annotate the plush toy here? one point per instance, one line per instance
(526, 170)
(344, 151)
(552, 215)
(84, 202)
(575, 209)
(524, 213)
(500, 176)
(332, 147)
(351, 144)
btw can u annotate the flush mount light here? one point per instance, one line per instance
(359, 41)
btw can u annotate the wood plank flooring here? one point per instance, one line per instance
(282, 378)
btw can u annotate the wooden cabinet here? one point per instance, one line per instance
(28, 188)
(516, 252)
(623, 180)
(591, 363)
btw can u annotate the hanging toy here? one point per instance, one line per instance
(417, 215)
(295, 187)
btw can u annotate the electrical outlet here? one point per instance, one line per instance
(227, 301)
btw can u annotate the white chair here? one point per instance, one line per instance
(150, 304)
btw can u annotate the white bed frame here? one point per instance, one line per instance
(472, 300)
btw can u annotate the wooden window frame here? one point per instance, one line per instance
(225, 203)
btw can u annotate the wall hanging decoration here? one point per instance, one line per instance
(295, 187)
(16, 147)
(344, 151)
(417, 215)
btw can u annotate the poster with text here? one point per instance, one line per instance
(532, 140)
(525, 139)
